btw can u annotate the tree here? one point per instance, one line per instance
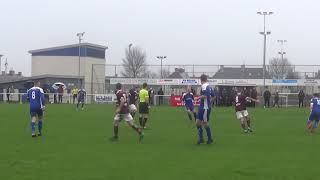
(281, 69)
(165, 73)
(135, 63)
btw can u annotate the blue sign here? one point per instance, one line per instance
(285, 81)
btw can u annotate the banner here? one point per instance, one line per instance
(104, 98)
(177, 101)
(284, 82)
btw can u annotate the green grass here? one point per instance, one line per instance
(75, 146)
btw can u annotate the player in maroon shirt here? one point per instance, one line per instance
(242, 114)
(122, 112)
(133, 98)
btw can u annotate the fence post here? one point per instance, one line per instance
(91, 83)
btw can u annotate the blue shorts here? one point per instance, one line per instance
(204, 114)
(190, 107)
(36, 112)
(81, 100)
(314, 116)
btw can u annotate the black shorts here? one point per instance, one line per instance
(143, 108)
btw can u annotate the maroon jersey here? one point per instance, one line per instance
(122, 95)
(240, 103)
(133, 97)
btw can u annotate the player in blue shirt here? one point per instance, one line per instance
(314, 117)
(81, 97)
(188, 100)
(204, 110)
(37, 106)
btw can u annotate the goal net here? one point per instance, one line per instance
(290, 100)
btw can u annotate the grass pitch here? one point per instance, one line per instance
(75, 146)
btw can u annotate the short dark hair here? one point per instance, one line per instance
(204, 78)
(144, 85)
(316, 94)
(118, 86)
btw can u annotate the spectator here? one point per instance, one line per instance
(55, 96)
(276, 99)
(301, 97)
(8, 94)
(193, 91)
(172, 92)
(160, 93)
(254, 95)
(151, 95)
(60, 94)
(216, 96)
(224, 96)
(46, 94)
(74, 93)
(266, 96)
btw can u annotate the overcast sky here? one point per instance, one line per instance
(187, 31)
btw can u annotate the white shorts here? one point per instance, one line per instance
(132, 108)
(126, 117)
(242, 114)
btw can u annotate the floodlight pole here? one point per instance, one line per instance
(80, 35)
(161, 59)
(281, 52)
(264, 33)
(0, 62)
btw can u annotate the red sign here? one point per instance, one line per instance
(177, 101)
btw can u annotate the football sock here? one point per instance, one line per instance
(115, 131)
(140, 121)
(315, 124)
(40, 126)
(243, 126)
(200, 132)
(82, 105)
(195, 116)
(33, 129)
(77, 105)
(190, 117)
(133, 114)
(137, 129)
(145, 122)
(248, 123)
(208, 130)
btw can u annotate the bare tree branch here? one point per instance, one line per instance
(134, 63)
(281, 69)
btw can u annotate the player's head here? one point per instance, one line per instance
(118, 86)
(188, 89)
(316, 95)
(37, 84)
(203, 78)
(144, 85)
(239, 91)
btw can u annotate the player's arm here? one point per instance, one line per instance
(147, 98)
(122, 101)
(251, 99)
(42, 100)
(206, 93)
(28, 96)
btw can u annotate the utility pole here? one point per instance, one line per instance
(0, 62)
(161, 58)
(80, 35)
(264, 33)
(281, 52)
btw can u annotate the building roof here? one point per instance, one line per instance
(240, 73)
(86, 50)
(69, 46)
(13, 80)
(179, 73)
